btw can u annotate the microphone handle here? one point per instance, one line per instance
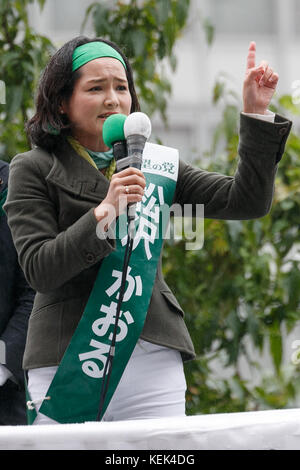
(120, 151)
(130, 152)
(134, 161)
(135, 146)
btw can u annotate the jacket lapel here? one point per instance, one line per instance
(74, 174)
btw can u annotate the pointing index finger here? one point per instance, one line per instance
(251, 55)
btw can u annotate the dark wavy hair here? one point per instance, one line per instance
(48, 126)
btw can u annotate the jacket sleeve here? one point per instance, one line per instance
(49, 257)
(249, 193)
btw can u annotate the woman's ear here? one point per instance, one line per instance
(62, 108)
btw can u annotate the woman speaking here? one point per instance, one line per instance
(61, 190)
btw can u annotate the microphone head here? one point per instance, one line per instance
(113, 129)
(137, 124)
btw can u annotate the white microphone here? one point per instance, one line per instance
(137, 129)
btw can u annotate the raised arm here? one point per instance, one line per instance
(249, 193)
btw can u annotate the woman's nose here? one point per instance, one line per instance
(111, 98)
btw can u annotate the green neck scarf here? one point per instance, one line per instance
(101, 159)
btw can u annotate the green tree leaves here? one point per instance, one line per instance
(23, 54)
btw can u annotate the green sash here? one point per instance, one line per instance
(2, 201)
(74, 394)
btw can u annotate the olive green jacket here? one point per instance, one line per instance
(50, 209)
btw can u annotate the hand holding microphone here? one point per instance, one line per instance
(127, 136)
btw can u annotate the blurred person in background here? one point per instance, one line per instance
(16, 301)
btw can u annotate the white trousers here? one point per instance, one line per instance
(152, 386)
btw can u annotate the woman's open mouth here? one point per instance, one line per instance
(105, 115)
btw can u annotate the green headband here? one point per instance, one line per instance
(94, 50)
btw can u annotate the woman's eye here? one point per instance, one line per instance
(95, 88)
(118, 88)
